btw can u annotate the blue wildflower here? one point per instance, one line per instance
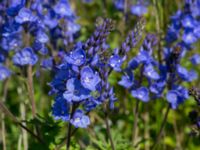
(89, 78)
(119, 4)
(25, 15)
(47, 63)
(42, 37)
(177, 96)
(150, 72)
(127, 79)
(76, 57)
(61, 109)
(138, 10)
(141, 93)
(79, 120)
(195, 59)
(75, 91)
(115, 62)
(25, 57)
(4, 72)
(185, 74)
(63, 9)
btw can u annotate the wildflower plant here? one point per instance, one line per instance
(66, 78)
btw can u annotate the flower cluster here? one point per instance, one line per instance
(163, 77)
(185, 25)
(35, 29)
(81, 80)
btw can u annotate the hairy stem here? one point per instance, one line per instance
(136, 114)
(109, 132)
(4, 95)
(136, 111)
(31, 89)
(160, 133)
(24, 132)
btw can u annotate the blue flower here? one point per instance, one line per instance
(141, 93)
(25, 57)
(63, 73)
(150, 72)
(119, 4)
(47, 63)
(63, 9)
(75, 91)
(173, 98)
(115, 62)
(188, 21)
(157, 87)
(195, 59)
(189, 38)
(76, 57)
(177, 96)
(61, 109)
(14, 9)
(127, 79)
(143, 57)
(185, 74)
(196, 31)
(4, 72)
(138, 9)
(25, 15)
(133, 63)
(89, 78)
(79, 120)
(42, 37)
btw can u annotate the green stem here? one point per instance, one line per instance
(135, 129)
(8, 113)
(160, 133)
(5, 91)
(109, 132)
(68, 136)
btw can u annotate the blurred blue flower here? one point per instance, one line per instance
(4, 73)
(188, 21)
(47, 63)
(150, 72)
(63, 9)
(185, 74)
(25, 56)
(141, 93)
(177, 96)
(79, 120)
(119, 4)
(25, 15)
(138, 10)
(195, 59)
(42, 37)
(189, 38)
(127, 79)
